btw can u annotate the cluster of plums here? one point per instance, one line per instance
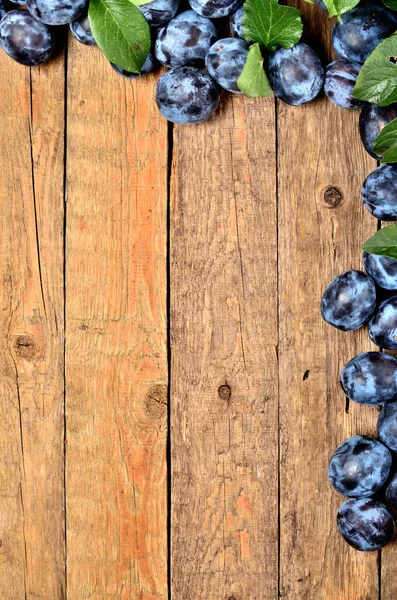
(201, 62)
(362, 468)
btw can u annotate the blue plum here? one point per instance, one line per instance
(340, 79)
(391, 492)
(359, 467)
(159, 12)
(148, 66)
(81, 30)
(236, 22)
(296, 75)
(361, 30)
(382, 269)
(372, 120)
(56, 12)
(185, 40)
(25, 39)
(187, 95)
(214, 9)
(365, 524)
(349, 301)
(225, 61)
(379, 193)
(383, 325)
(387, 425)
(321, 4)
(370, 378)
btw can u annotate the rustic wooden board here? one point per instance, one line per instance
(224, 392)
(31, 361)
(116, 347)
(320, 235)
(264, 211)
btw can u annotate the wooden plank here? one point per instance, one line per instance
(388, 556)
(224, 356)
(320, 235)
(32, 331)
(116, 350)
(388, 570)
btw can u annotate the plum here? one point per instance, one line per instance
(214, 9)
(185, 40)
(25, 39)
(391, 492)
(56, 12)
(236, 22)
(382, 269)
(81, 30)
(225, 61)
(387, 425)
(379, 193)
(372, 120)
(370, 378)
(340, 79)
(361, 30)
(349, 301)
(359, 467)
(383, 325)
(296, 74)
(365, 524)
(187, 95)
(159, 12)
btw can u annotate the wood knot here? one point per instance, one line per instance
(156, 401)
(225, 392)
(333, 197)
(25, 347)
(231, 598)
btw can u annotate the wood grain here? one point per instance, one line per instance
(32, 332)
(224, 356)
(320, 235)
(116, 348)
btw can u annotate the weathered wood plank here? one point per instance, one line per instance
(116, 350)
(388, 572)
(319, 148)
(388, 555)
(32, 331)
(224, 356)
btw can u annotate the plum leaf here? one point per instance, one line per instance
(121, 32)
(339, 7)
(386, 143)
(377, 80)
(253, 80)
(271, 25)
(383, 243)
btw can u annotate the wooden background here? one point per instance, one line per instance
(142, 262)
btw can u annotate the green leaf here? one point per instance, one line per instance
(271, 25)
(339, 7)
(140, 2)
(377, 80)
(390, 4)
(121, 32)
(384, 242)
(253, 80)
(386, 143)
